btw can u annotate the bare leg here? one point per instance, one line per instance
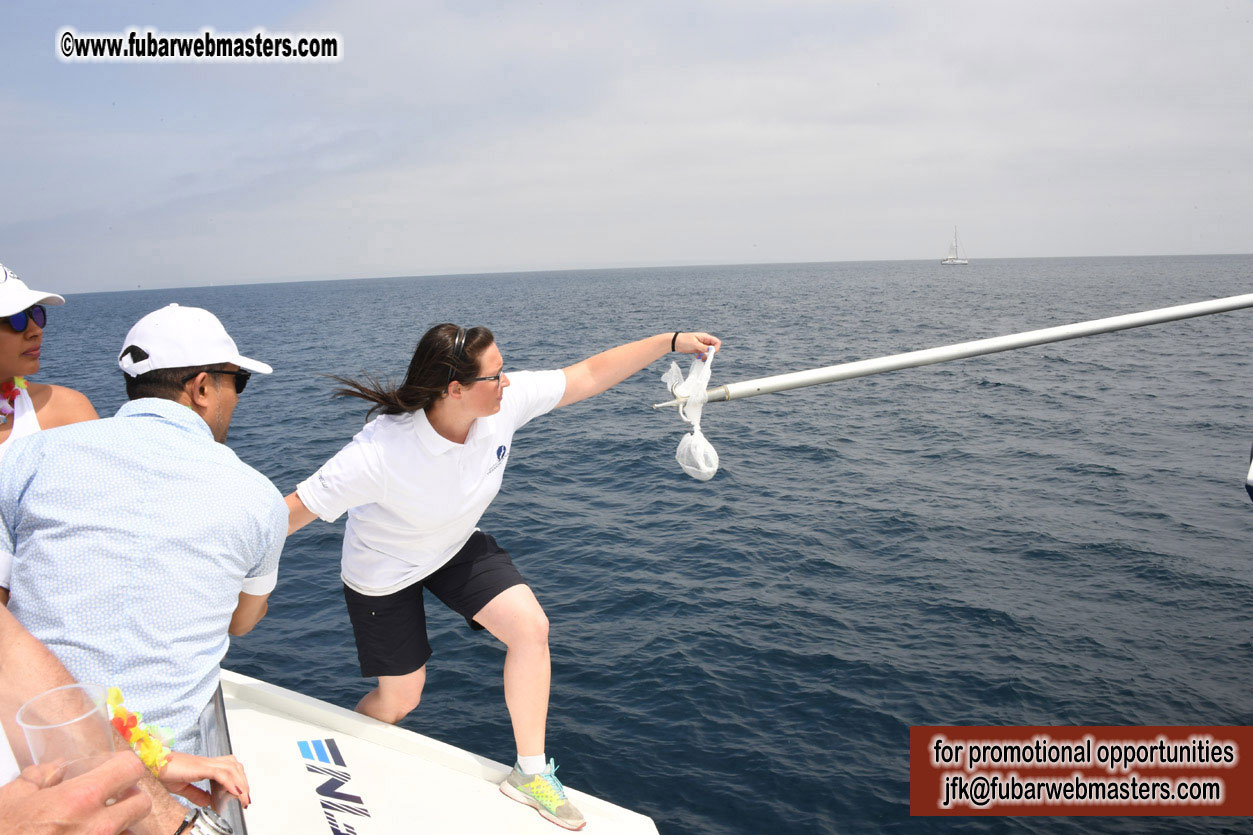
(516, 618)
(395, 697)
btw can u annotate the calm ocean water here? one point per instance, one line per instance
(1056, 535)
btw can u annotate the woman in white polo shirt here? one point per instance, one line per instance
(415, 483)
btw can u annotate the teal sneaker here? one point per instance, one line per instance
(544, 793)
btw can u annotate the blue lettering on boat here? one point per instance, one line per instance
(334, 801)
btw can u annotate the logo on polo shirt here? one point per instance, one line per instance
(500, 459)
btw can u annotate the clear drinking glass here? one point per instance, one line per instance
(68, 726)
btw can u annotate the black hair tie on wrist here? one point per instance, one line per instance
(673, 338)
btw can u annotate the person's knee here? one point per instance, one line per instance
(386, 713)
(410, 696)
(398, 698)
(516, 619)
(392, 710)
(406, 703)
(533, 631)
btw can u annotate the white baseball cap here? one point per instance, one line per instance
(181, 337)
(15, 296)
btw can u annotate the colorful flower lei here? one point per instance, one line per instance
(8, 393)
(150, 743)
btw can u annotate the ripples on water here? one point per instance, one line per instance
(1056, 535)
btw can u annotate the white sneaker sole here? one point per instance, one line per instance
(526, 800)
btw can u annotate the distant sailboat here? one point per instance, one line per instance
(953, 257)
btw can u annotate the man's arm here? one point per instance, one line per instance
(37, 802)
(248, 612)
(263, 577)
(28, 668)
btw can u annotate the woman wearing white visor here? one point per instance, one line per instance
(25, 408)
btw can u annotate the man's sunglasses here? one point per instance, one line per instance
(20, 321)
(241, 376)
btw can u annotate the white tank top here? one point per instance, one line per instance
(8, 764)
(23, 419)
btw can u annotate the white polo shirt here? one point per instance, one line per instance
(414, 497)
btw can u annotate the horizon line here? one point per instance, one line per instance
(526, 272)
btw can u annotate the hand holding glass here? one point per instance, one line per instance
(68, 726)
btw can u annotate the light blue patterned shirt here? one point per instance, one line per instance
(125, 544)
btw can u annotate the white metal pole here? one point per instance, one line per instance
(978, 347)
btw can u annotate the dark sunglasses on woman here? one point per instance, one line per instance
(20, 321)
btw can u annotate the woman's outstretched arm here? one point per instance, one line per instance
(605, 370)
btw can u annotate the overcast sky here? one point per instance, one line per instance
(491, 136)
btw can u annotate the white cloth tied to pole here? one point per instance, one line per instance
(695, 455)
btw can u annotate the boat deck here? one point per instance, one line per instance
(317, 768)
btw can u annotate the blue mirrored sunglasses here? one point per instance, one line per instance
(20, 321)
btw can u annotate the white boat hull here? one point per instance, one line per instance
(316, 768)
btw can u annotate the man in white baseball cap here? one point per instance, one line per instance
(167, 348)
(177, 337)
(131, 546)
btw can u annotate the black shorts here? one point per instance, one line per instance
(391, 629)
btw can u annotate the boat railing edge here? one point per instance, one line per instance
(263, 696)
(300, 706)
(215, 737)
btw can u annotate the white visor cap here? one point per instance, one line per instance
(181, 337)
(15, 296)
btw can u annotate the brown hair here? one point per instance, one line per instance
(166, 383)
(435, 364)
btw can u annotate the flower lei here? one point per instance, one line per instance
(149, 742)
(8, 393)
